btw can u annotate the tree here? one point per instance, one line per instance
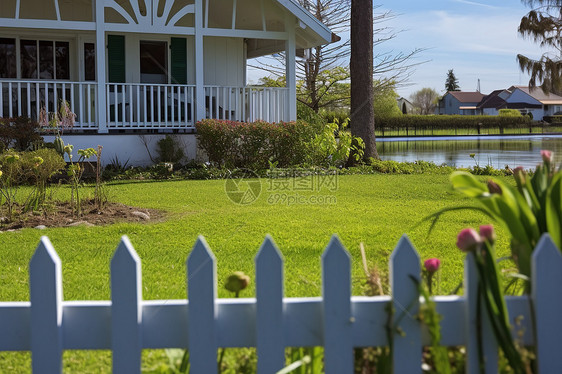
(451, 83)
(543, 25)
(385, 104)
(425, 100)
(361, 67)
(322, 72)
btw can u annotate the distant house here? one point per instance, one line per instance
(405, 106)
(492, 103)
(533, 102)
(460, 102)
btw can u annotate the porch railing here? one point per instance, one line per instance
(27, 97)
(142, 106)
(149, 106)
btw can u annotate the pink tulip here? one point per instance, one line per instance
(487, 233)
(468, 239)
(432, 264)
(546, 156)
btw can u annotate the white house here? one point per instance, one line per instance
(148, 66)
(533, 101)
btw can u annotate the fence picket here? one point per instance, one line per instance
(45, 289)
(126, 308)
(547, 299)
(338, 321)
(489, 344)
(202, 292)
(270, 340)
(46, 325)
(404, 280)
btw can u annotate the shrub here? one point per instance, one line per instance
(19, 132)
(509, 113)
(451, 121)
(335, 116)
(217, 139)
(254, 145)
(169, 150)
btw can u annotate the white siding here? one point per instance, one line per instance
(224, 61)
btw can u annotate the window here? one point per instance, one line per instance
(28, 52)
(45, 59)
(153, 62)
(8, 58)
(62, 58)
(89, 61)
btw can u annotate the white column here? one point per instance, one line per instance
(199, 61)
(100, 67)
(290, 69)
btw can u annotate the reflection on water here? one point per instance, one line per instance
(497, 151)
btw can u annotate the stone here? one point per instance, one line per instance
(141, 215)
(81, 223)
(40, 227)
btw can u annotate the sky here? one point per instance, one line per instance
(477, 39)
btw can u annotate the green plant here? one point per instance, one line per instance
(11, 177)
(39, 166)
(100, 194)
(75, 172)
(169, 150)
(482, 247)
(509, 113)
(327, 150)
(252, 145)
(527, 211)
(57, 122)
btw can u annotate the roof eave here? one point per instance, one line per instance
(323, 33)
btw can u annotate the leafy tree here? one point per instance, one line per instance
(425, 100)
(543, 25)
(451, 83)
(385, 104)
(361, 67)
(321, 73)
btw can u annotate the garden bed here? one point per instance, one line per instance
(60, 214)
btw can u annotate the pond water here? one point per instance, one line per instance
(497, 151)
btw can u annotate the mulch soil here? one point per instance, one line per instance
(60, 214)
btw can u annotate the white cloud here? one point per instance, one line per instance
(476, 4)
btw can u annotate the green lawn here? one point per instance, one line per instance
(373, 209)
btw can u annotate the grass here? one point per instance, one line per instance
(373, 209)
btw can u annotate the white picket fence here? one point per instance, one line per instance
(47, 325)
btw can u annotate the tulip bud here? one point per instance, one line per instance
(546, 156)
(468, 239)
(432, 264)
(487, 233)
(520, 176)
(236, 282)
(494, 188)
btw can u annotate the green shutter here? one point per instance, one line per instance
(179, 60)
(116, 58)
